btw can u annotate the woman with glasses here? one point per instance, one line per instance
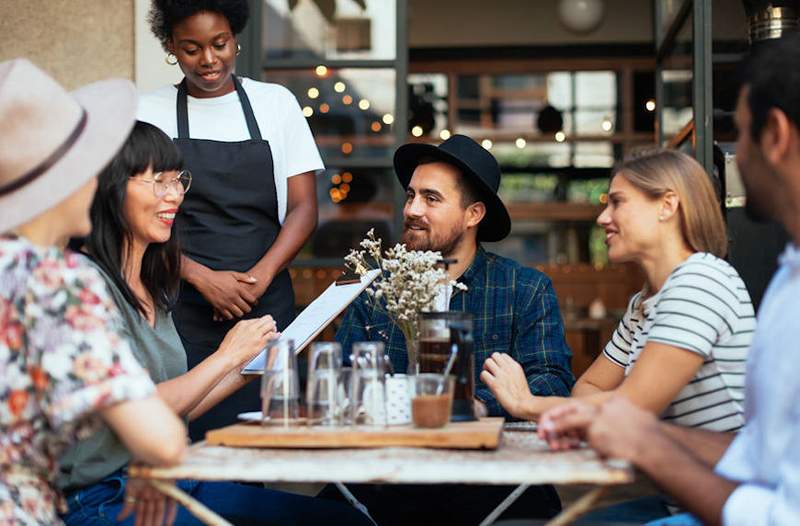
(253, 201)
(138, 197)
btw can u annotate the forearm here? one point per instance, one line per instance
(183, 393)
(707, 446)
(232, 382)
(298, 226)
(685, 477)
(584, 388)
(191, 270)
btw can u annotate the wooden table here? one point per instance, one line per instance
(522, 459)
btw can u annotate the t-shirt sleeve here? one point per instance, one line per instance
(618, 348)
(302, 154)
(694, 309)
(74, 328)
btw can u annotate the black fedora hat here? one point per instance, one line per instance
(476, 163)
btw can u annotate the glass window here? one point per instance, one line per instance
(676, 76)
(323, 30)
(427, 104)
(351, 201)
(350, 111)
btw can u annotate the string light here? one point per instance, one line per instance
(347, 148)
(321, 70)
(520, 142)
(416, 131)
(606, 124)
(347, 100)
(313, 93)
(324, 108)
(336, 179)
(388, 119)
(363, 104)
(487, 143)
(650, 105)
(375, 126)
(339, 87)
(347, 177)
(560, 136)
(444, 134)
(308, 111)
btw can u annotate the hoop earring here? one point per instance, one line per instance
(238, 49)
(173, 61)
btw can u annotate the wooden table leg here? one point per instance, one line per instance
(205, 515)
(578, 508)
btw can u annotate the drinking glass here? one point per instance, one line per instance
(431, 399)
(369, 388)
(280, 385)
(323, 382)
(344, 398)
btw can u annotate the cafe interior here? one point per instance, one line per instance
(558, 90)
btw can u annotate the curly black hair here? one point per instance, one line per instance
(164, 14)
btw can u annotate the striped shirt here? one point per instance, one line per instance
(703, 307)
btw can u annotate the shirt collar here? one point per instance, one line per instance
(475, 268)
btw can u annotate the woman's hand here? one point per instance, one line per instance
(247, 338)
(232, 294)
(150, 506)
(507, 381)
(565, 426)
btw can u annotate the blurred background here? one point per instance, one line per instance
(557, 90)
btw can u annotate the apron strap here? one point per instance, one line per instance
(252, 125)
(182, 111)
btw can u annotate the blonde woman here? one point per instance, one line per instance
(64, 362)
(681, 346)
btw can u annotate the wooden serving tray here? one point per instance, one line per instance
(483, 434)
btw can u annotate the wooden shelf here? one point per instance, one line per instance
(550, 211)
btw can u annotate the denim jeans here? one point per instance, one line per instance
(100, 503)
(636, 511)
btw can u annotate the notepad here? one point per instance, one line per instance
(316, 317)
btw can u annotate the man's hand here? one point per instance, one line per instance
(615, 429)
(151, 507)
(622, 430)
(232, 294)
(564, 426)
(507, 381)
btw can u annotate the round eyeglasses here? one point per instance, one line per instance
(162, 182)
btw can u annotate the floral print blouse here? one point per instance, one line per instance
(62, 358)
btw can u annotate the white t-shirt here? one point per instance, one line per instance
(277, 112)
(703, 307)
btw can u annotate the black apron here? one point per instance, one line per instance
(228, 221)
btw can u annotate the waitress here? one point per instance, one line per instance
(253, 201)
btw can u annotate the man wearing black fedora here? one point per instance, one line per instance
(452, 206)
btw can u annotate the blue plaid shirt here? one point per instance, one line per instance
(515, 312)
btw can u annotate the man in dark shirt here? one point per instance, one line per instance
(451, 206)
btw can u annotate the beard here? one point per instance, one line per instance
(424, 240)
(754, 207)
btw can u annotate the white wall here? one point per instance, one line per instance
(150, 69)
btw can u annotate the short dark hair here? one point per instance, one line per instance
(470, 190)
(164, 14)
(146, 147)
(773, 75)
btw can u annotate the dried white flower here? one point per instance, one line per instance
(407, 285)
